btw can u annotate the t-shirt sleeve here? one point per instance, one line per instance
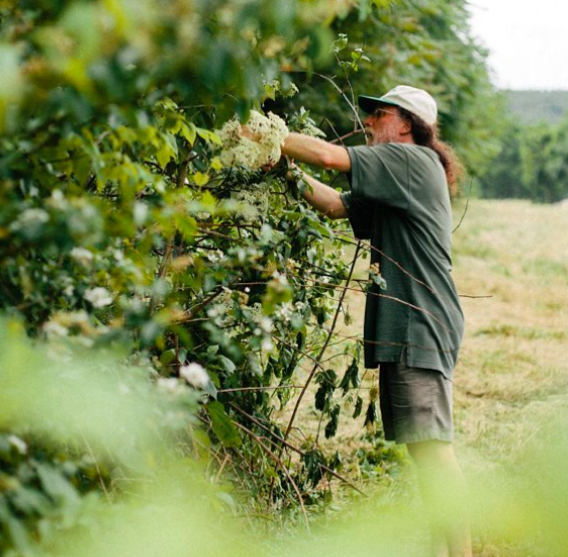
(380, 174)
(360, 215)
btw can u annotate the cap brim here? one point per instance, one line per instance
(369, 104)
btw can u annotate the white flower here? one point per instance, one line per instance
(53, 330)
(285, 311)
(140, 213)
(99, 297)
(214, 255)
(266, 324)
(30, 218)
(170, 385)
(82, 255)
(20, 444)
(267, 345)
(239, 150)
(195, 375)
(57, 200)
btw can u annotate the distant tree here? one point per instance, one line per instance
(532, 164)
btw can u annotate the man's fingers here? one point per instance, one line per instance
(249, 134)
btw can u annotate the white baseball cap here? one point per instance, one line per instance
(417, 101)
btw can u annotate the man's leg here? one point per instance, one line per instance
(443, 490)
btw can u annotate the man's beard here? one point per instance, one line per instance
(384, 135)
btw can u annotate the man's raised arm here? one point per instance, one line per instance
(316, 152)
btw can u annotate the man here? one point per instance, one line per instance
(400, 200)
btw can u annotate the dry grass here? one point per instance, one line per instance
(514, 352)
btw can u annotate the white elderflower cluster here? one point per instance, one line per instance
(171, 385)
(82, 256)
(30, 219)
(99, 297)
(195, 375)
(271, 131)
(287, 310)
(258, 200)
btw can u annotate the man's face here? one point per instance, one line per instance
(385, 125)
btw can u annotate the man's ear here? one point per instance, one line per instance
(406, 127)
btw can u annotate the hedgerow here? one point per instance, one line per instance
(125, 225)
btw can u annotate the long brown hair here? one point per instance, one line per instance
(427, 136)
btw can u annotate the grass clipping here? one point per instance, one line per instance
(238, 150)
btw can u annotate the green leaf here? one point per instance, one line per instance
(222, 425)
(56, 485)
(209, 136)
(189, 131)
(227, 364)
(200, 178)
(358, 407)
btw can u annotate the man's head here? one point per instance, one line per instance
(393, 117)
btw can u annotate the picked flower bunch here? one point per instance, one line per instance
(266, 135)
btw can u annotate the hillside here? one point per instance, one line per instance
(538, 106)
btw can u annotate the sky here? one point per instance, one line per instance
(527, 40)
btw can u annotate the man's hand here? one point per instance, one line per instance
(249, 134)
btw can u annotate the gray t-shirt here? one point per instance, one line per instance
(399, 200)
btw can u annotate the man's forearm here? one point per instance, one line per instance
(324, 198)
(315, 151)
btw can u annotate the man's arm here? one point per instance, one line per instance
(324, 198)
(316, 152)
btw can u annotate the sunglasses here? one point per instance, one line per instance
(381, 112)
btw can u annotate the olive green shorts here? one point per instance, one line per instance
(416, 404)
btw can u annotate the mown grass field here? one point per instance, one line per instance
(511, 257)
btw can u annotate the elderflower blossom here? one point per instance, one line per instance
(30, 219)
(20, 445)
(258, 201)
(285, 311)
(82, 256)
(170, 385)
(239, 150)
(195, 375)
(267, 345)
(54, 330)
(99, 297)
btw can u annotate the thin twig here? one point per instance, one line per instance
(99, 473)
(240, 389)
(338, 89)
(466, 205)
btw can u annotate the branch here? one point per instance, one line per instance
(292, 447)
